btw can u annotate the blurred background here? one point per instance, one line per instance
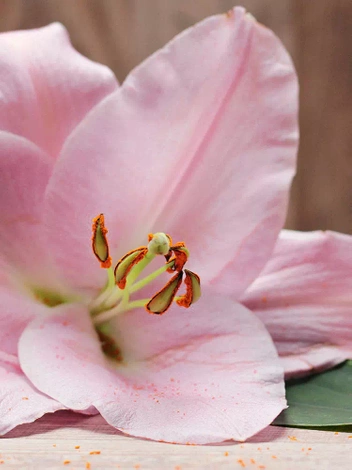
(317, 33)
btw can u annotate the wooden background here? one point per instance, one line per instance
(318, 34)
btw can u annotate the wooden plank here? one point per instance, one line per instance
(51, 441)
(324, 66)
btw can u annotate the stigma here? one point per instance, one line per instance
(124, 279)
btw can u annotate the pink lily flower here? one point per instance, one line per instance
(199, 142)
(303, 296)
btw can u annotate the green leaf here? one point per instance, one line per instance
(320, 401)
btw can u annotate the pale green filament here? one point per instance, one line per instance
(99, 302)
(146, 280)
(111, 278)
(120, 308)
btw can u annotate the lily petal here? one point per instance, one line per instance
(46, 87)
(16, 311)
(20, 402)
(199, 142)
(197, 376)
(24, 174)
(304, 298)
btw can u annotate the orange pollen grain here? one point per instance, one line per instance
(66, 462)
(88, 465)
(226, 454)
(94, 452)
(240, 461)
(77, 447)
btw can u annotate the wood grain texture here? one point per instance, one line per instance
(121, 33)
(52, 441)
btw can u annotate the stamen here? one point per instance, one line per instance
(99, 241)
(124, 266)
(180, 257)
(162, 300)
(193, 291)
(115, 298)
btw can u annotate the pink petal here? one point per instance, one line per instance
(46, 87)
(20, 402)
(199, 142)
(16, 312)
(303, 296)
(202, 375)
(24, 174)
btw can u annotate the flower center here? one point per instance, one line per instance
(49, 298)
(124, 280)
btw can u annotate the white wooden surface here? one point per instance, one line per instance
(69, 441)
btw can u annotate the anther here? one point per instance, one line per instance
(179, 254)
(193, 291)
(124, 266)
(162, 300)
(99, 241)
